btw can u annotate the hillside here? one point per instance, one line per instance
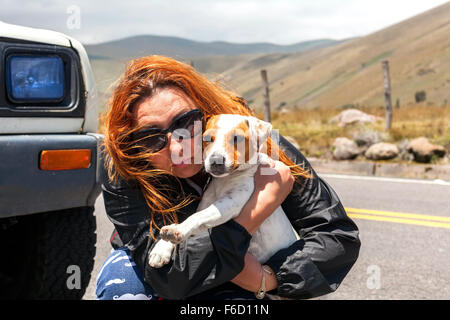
(188, 49)
(418, 50)
(212, 58)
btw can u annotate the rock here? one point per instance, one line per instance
(284, 110)
(281, 105)
(349, 116)
(382, 151)
(366, 138)
(404, 154)
(420, 96)
(423, 150)
(345, 149)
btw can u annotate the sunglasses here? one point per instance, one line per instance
(155, 139)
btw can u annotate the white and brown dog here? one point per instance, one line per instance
(233, 145)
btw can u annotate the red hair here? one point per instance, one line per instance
(141, 78)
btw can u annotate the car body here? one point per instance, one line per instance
(51, 163)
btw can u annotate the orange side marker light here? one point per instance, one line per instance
(65, 159)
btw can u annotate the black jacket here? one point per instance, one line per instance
(204, 264)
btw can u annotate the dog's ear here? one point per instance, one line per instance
(261, 128)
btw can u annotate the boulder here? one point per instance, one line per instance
(345, 149)
(350, 116)
(382, 151)
(366, 138)
(423, 150)
(404, 153)
(284, 110)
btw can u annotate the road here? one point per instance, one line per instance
(404, 230)
(398, 260)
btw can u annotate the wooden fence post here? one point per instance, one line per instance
(387, 94)
(266, 96)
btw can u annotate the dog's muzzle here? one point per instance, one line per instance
(216, 165)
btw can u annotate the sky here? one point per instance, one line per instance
(239, 21)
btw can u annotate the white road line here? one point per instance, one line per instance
(385, 179)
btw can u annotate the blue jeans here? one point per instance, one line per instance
(121, 279)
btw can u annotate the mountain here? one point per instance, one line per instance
(350, 73)
(108, 59)
(142, 45)
(342, 74)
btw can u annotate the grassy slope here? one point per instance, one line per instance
(212, 58)
(418, 50)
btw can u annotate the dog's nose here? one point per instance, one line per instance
(217, 159)
(217, 164)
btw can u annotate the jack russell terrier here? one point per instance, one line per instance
(234, 145)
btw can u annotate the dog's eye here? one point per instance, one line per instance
(208, 138)
(237, 139)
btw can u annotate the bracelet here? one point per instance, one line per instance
(261, 293)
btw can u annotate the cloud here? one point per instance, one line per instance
(276, 21)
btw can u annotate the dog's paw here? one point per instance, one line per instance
(157, 260)
(160, 254)
(172, 233)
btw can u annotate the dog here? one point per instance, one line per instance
(233, 146)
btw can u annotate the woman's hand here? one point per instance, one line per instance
(277, 178)
(250, 277)
(273, 183)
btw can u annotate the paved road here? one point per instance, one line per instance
(405, 234)
(398, 260)
(104, 230)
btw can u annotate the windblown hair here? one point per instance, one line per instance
(140, 80)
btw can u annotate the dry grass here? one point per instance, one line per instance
(315, 134)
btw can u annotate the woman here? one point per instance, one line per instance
(145, 190)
